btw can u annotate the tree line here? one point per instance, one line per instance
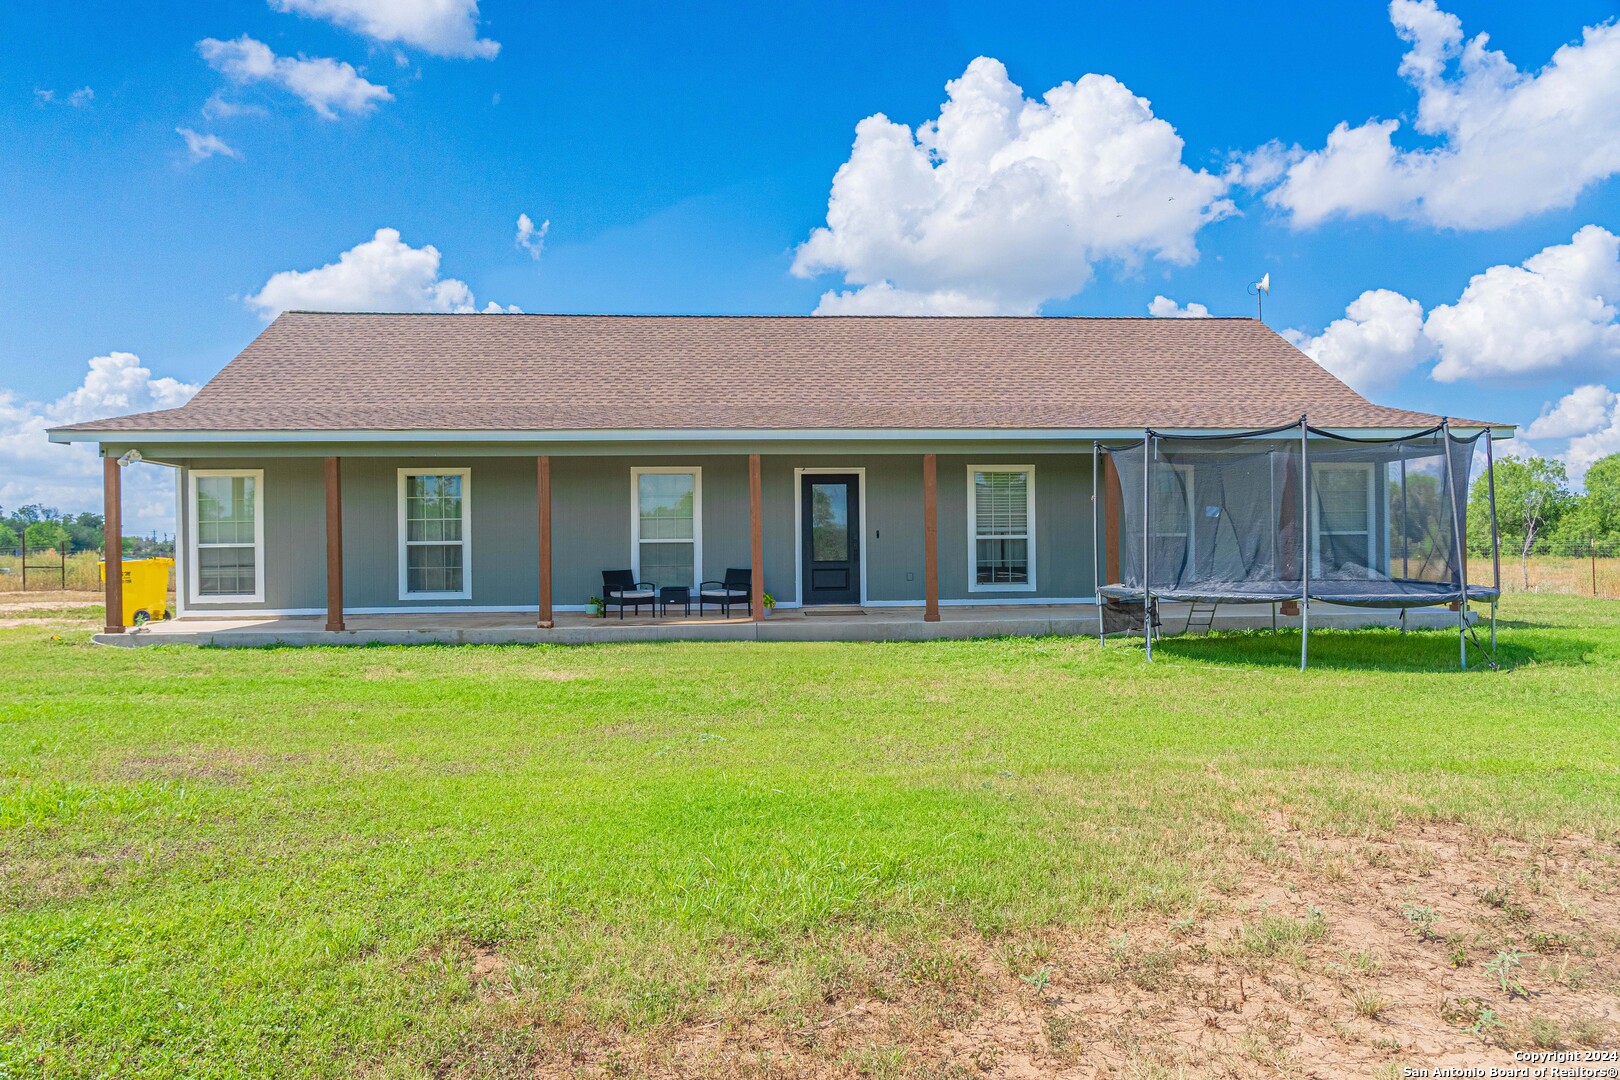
(46, 528)
(1538, 514)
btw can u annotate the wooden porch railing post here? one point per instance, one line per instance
(930, 538)
(334, 544)
(545, 620)
(756, 540)
(112, 520)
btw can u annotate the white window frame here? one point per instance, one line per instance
(1371, 531)
(973, 536)
(1188, 478)
(194, 532)
(696, 472)
(465, 593)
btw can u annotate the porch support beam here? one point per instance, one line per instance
(545, 620)
(334, 544)
(1111, 520)
(756, 540)
(930, 538)
(112, 519)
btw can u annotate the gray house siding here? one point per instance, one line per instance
(591, 525)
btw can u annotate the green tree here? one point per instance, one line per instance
(8, 537)
(1532, 494)
(84, 531)
(42, 535)
(1602, 499)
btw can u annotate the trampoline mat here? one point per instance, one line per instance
(1355, 593)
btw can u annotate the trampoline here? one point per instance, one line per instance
(1297, 513)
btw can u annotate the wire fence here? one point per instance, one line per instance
(1589, 569)
(48, 570)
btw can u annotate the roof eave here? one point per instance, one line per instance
(82, 433)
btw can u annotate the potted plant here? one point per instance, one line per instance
(769, 603)
(595, 609)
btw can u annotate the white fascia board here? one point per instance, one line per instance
(676, 435)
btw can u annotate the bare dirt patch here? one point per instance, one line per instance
(55, 598)
(1322, 956)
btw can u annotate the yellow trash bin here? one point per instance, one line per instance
(146, 589)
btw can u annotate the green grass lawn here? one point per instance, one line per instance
(279, 862)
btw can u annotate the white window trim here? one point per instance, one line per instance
(636, 473)
(194, 582)
(973, 584)
(858, 471)
(465, 592)
(1370, 532)
(1191, 535)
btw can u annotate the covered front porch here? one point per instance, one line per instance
(855, 623)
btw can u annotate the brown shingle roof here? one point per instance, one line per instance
(313, 371)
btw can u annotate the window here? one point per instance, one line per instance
(435, 560)
(666, 525)
(1170, 522)
(1342, 520)
(1001, 528)
(227, 535)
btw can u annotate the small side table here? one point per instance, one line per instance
(675, 594)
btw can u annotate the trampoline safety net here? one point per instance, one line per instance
(1293, 512)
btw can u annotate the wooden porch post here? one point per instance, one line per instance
(334, 544)
(112, 520)
(544, 619)
(930, 538)
(756, 540)
(1111, 520)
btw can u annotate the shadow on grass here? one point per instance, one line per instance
(1369, 650)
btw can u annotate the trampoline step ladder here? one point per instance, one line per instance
(1200, 619)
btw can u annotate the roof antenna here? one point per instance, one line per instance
(1259, 290)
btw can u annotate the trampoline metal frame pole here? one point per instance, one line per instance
(1147, 533)
(1406, 570)
(1096, 565)
(1496, 543)
(1305, 541)
(1457, 548)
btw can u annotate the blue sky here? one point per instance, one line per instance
(681, 158)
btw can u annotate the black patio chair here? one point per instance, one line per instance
(620, 589)
(737, 586)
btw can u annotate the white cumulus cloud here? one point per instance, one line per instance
(1379, 339)
(328, 86)
(1583, 410)
(1554, 313)
(1507, 144)
(440, 27)
(531, 238)
(34, 470)
(1003, 203)
(1589, 417)
(201, 147)
(381, 274)
(1584, 450)
(1162, 307)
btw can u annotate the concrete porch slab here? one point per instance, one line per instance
(876, 624)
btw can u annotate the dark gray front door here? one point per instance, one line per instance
(831, 513)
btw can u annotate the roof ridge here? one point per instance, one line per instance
(780, 315)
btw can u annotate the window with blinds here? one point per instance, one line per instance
(666, 525)
(227, 536)
(434, 528)
(1001, 528)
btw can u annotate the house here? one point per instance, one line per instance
(355, 465)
